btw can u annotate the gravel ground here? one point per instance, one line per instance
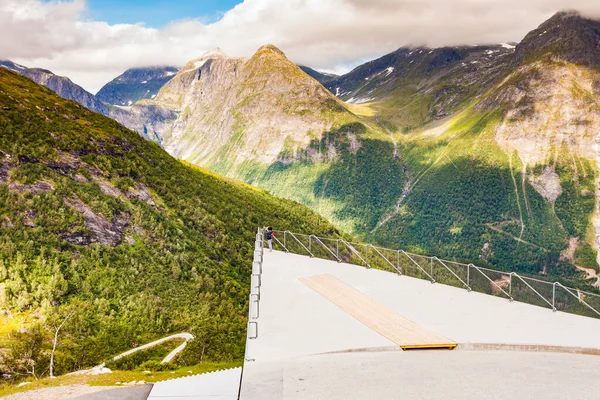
(57, 393)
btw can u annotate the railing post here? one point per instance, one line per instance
(418, 266)
(476, 268)
(367, 256)
(398, 260)
(310, 244)
(468, 275)
(554, 296)
(443, 264)
(337, 248)
(386, 259)
(326, 248)
(510, 287)
(255, 330)
(431, 267)
(285, 239)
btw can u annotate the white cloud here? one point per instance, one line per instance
(325, 34)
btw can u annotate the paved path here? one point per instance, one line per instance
(218, 385)
(429, 375)
(381, 319)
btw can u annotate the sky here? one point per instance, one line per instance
(157, 13)
(93, 41)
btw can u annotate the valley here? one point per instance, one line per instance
(432, 150)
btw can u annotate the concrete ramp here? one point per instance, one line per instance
(379, 318)
(219, 385)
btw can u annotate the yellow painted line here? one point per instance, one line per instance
(448, 346)
(381, 319)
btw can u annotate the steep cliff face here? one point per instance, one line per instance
(61, 85)
(233, 111)
(136, 84)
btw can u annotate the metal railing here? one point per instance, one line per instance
(255, 284)
(473, 278)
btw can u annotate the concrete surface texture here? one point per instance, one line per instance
(219, 385)
(128, 393)
(297, 326)
(428, 375)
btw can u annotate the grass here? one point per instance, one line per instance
(8, 325)
(363, 109)
(115, 377)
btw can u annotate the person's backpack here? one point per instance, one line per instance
(269, 235)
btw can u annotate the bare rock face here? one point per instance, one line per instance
(37, 187)
(141, 192)
(547, 184)
(100, 229)
(548, 105)
(5, 168)
(220, 112)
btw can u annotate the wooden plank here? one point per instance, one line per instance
(381, 319)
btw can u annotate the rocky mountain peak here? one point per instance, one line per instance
(214, 53)
(269, 49)
(567, 35)
(136, 84)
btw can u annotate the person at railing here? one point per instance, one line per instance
(269, 235)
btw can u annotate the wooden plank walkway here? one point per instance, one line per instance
(381, 319)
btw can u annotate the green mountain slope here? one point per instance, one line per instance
(511, 179)
(267, 122)
(99, 222)
(413, 86)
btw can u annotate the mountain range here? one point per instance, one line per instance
(63, 86)
(135, 84)
(481, 153)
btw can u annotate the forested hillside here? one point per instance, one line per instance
(512, 178)
(106, 231)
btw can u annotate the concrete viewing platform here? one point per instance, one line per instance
(330, 330)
